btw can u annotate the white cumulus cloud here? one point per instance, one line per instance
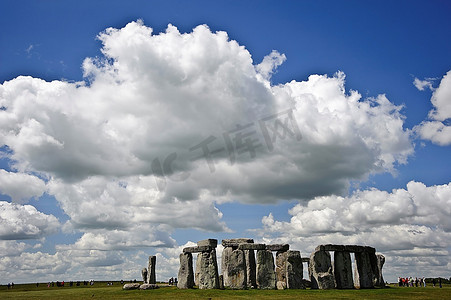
(20, 187)
(437, 128)
(414, 221)
(20, 222)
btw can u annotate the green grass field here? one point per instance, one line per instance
(100, 290)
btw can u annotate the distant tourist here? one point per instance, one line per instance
(433, 282)
(440, 282)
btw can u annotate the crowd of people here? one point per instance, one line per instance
(417, 282)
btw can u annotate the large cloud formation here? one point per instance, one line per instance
(437, 128)
(165, 126)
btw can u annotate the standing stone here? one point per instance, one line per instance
(281, 268)
(226, 254)
(144, 274)
(250, 269)
(151, 278)
(364, 270)
(234, 268)
(320, 269)
(294, 270)
(380, 263)
(343, 270)
(186, 274)
(266, 276)
(207, 276)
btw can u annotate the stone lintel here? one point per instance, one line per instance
(330, 247)
(278, 247)
(236, 242)
(208, 242)
(349, 248)
(306, 259)
(250, 246)
(197, 249)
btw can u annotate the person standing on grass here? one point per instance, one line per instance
(433, 282)
(440, 282)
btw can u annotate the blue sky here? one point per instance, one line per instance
(86, 111)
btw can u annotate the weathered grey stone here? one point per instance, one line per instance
(363, 270)
(353, 248)
(329, 247)
(151, 278)
(343, 270)
(144, 274)
(148, 286)
(131, 286)
(294, 270)
(207, 276)
(235, 242)
(266, 276)
(186, 274)
(208, 242)
(234, 268)
(320, 270)
(250, 246)
(281, 268)
(278, 247)
(226, 254)
(281, 285)
(306, 260)
(250, 268)
(197, 249)
(379, 278)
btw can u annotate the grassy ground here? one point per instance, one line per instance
(100, 290)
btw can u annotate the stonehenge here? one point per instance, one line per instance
(248, 265)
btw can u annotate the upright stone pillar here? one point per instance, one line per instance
(343, 270)
(281, 269)
(250, 268)
(234, 268)
(186, 274)
(266, 276)
(226, 255)
(144, 275)
(320, 269)
(294, 270)
(380, 263)
(364, 269)
(207, 276)
(151, 278)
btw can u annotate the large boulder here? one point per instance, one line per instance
(131, 286)
(148, 286)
